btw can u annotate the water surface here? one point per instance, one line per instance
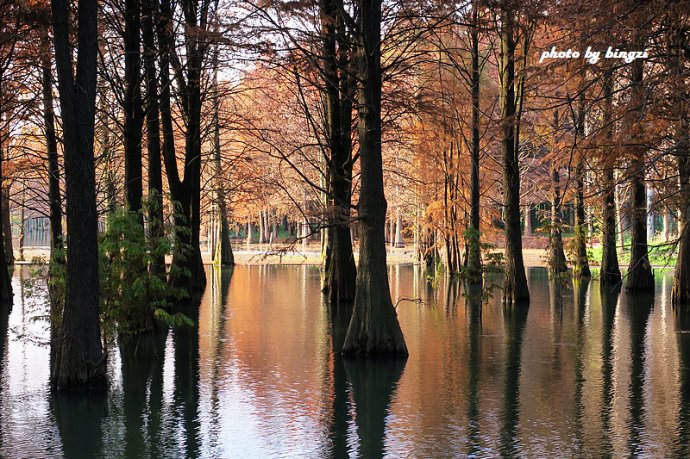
(579, 372)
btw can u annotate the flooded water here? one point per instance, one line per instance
(580, 372)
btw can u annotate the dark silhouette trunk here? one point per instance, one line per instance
(639, 276)
(133, 113)
(187, 192)
(515, 286)
(54, 201)
(155, 197)
(339, 263)
(374, 329)
(610, 272)
(80, 361)
(223, 251)
(581, 268)
(6, 223)
(474, 263)
(5, 282)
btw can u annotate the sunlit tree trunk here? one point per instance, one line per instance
(473, 238)
(515, 285)
(374, 329)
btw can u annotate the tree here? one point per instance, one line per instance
(153, 141)
(339, 261)
(133, 113)
(610, 272)
(515, 285)
(639, 276)
(185, 191)
(80, 362)
(374, 329)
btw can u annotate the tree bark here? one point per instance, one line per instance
(515, 287)
(54, 201)
(155, 197)
(639, 276)
(186, 193)
(557, 263)
(610, 272)
(7, 225)
(223, 251)
(473, 240)
(374, 329)
(80, 360)
(339, 263)
(581, 268)
(5, 282)
(133, 113)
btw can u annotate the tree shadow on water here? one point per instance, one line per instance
(514, 318)
(373, 382)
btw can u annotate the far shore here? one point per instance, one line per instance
(284, 254)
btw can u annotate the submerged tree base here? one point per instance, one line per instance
(374, 330)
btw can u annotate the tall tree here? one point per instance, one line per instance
(186, 192)
(581, 268)
(133, 113)
(222, 251)
(153, 141)
(80, 361)
(54, 201)
(515, 285)
(639, 276)
(339, 261)
(473, 246)
(610, 272)
(374, 329)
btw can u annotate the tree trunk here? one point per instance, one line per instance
(133, 113)
(557, 263)
(680, 295)
(7, 225)
(581, 268)
(155, 197)
(473, 240)
(610, 272)
(22, 222)
(54, 201)
(80, 361)
(339, 263)
(187, 193)
(515, 287)
(5, 282)
(223, 251)
(374, 329)
(639, 276)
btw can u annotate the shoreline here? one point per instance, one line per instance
(264, 254)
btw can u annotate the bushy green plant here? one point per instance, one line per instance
(131, 293)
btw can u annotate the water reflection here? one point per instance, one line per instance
(609, 303)
(682, 447)
(373, 382)
(515, 318)
(582, 371)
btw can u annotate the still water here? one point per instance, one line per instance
(579, 373)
